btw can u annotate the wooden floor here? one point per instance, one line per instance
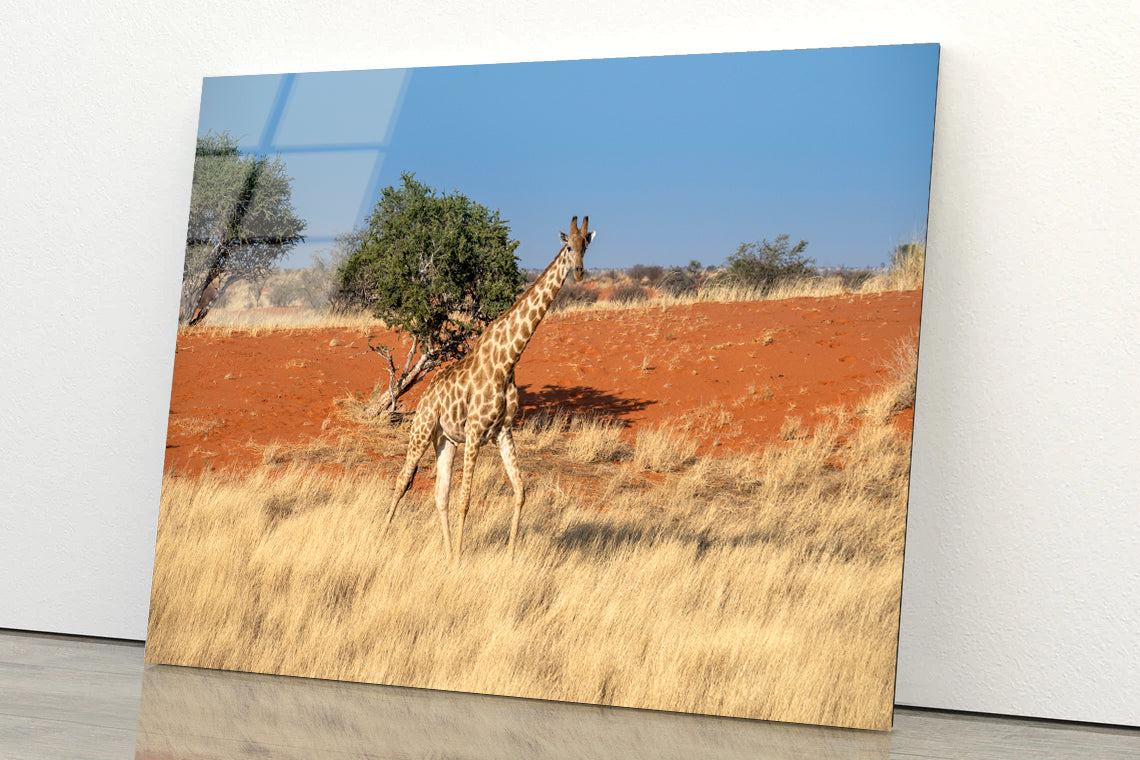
(64, 697)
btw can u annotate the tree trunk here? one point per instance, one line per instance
(384, 397)
(198, 296)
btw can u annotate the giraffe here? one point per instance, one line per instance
(475, 399)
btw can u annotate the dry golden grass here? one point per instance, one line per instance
(198, 426)
(763, 586)
(345, 451)
(542, 432)
(711, 417)
(906, 276)
(814, 287)
(662, 450)
(899, 391)
(595, 440)
(908, 264)
(258, 321)
(792, 428)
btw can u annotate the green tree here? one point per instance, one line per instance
(241, 222)
(355, 293)
(438, 267)
(764, 264)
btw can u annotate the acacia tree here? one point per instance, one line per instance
(241, 222)
(437, 267)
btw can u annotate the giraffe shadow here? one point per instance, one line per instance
(578, 399)
(601, 538)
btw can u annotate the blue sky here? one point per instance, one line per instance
(673, 158)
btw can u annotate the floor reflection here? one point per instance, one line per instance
(188, 713)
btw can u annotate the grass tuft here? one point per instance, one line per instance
(595, 440)
(662, 450)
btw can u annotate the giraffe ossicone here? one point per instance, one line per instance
(474, 400)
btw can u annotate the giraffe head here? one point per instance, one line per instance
(576, 243)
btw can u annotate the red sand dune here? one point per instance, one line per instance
(730, 373)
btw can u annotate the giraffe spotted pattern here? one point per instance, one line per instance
(474, 400)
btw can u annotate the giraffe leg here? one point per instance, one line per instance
(417, 444)
(444, 456)
(511, 463)
(470, 451)
(512, 402)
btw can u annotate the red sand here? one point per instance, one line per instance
(729, 372)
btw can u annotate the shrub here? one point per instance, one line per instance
(572, 295)
(854, 279)
(646, 275)
(680, 282)
(629, 294)
(765, 264)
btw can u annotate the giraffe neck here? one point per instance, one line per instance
(507, 337)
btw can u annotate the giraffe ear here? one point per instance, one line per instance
(563, 237)
(590, 237)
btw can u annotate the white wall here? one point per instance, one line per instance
(1022, 586)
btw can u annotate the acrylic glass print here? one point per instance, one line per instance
(649, 328)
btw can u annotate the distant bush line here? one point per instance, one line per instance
(757, 271)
